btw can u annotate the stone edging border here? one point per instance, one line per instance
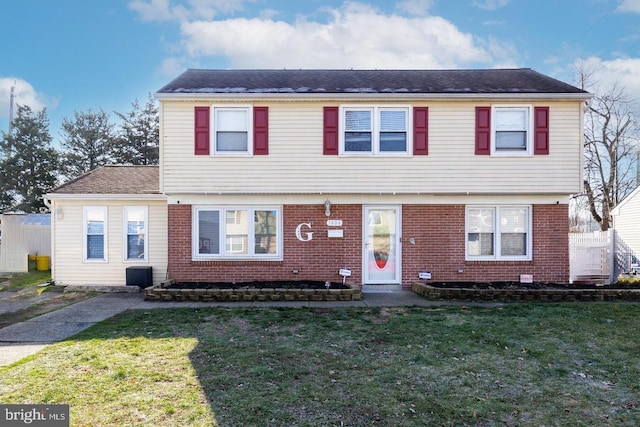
(161, 293)
(541, 295)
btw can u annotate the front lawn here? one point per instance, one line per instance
(516, 365)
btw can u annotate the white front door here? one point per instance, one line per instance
(381, 251)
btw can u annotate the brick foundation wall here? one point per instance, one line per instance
(438, 232)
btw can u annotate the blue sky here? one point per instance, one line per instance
(76, 55)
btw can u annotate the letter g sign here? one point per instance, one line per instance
(307, 236)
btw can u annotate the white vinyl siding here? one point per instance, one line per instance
(68, 267)
(296, 164)
(625, 221)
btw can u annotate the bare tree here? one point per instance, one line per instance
(610, 150)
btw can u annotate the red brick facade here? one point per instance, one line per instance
(438, 233)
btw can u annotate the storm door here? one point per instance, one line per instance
(381, 251)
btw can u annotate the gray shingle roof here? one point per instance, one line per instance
(493, 81)
(114, 180)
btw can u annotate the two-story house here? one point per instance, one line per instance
(383, 174)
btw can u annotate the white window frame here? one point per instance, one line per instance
(214, 126)
(125, 233)
(222, 242)
(497, 247)
(528, 108)
(375, 129)
(86, 211)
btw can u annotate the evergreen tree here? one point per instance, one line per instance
(88, 142)
(29, 166)
(138, 139)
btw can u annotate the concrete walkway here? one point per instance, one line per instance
(28, 337)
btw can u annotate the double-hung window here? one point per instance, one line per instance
(512, 130)
(237, 233)
(94, 233)
(498, 233)
(232, 130)
(135, 229)
(374, 130)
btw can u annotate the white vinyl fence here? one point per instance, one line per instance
(600, 256)
(23, 235)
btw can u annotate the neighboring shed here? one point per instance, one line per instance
(626, 221)
(107, 221)
(23, 235)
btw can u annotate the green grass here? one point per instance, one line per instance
(27, 285)
(26, 280)
(516, 365)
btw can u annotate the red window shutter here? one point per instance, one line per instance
(330, 133)
(541, 130)
(483, 130)
(420, 131)
(201, 131)
(260, 130)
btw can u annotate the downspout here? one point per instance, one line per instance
(47, 203)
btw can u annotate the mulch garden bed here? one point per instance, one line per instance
(526, 286)
(259, 285)
(515, 291)
(253, 291)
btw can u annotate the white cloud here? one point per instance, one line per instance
(621, 73)
(176, 10)
(415, 7)
(355, 35)
(24, 94)
(632, 6)
(490, 4)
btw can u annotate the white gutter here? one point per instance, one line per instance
(55, 196)
(294, 96)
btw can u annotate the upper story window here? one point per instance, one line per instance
(94, 233)
(231, 130)
(498, 233)
(512, 130)
(374, 130)
(135, 231)
(237, 233)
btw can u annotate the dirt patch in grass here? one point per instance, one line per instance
(43, 306)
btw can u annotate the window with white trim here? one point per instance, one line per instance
(232, 127)
(498, 233)
(135, 231)
(94, 233)
(374, 130)
(512, 130)
(237, 233)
